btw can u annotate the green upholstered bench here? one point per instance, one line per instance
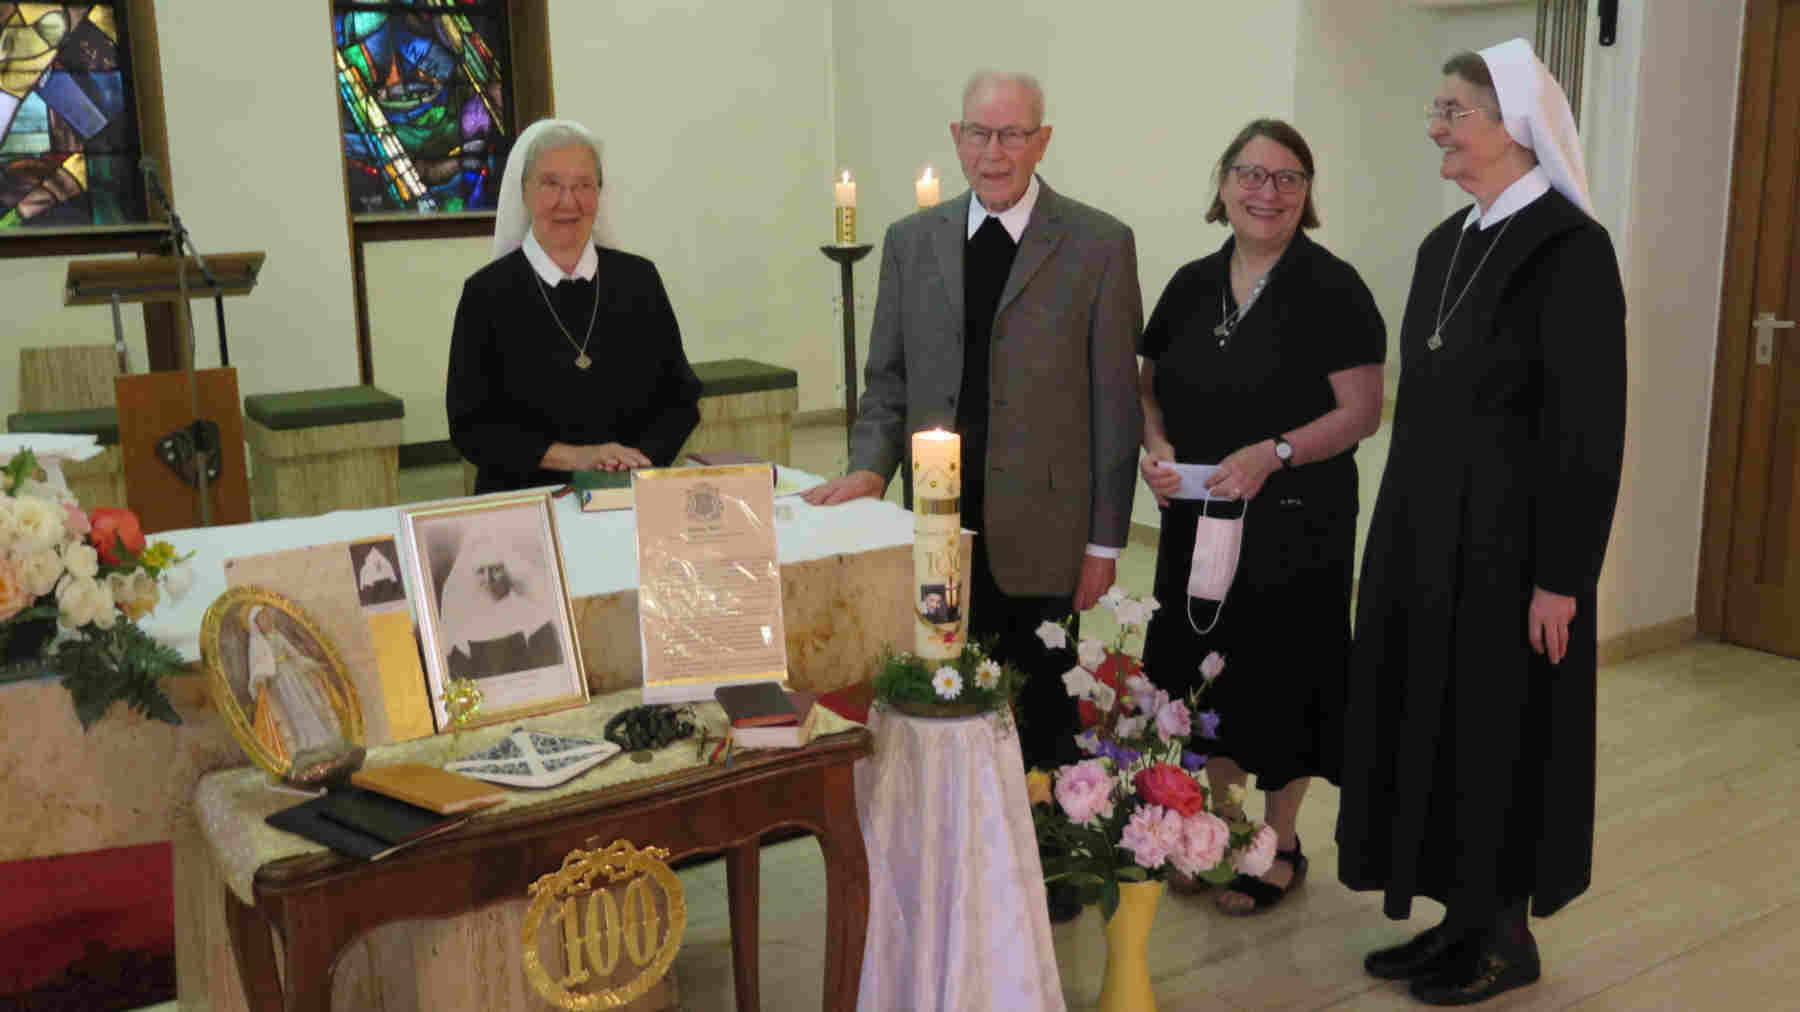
(748, 406)
(313, 451)
(99, 480)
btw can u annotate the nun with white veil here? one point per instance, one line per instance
(498, 614)
(292, 695)
(565, 354)
(1469, 730)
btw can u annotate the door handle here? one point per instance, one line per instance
(1765, 326)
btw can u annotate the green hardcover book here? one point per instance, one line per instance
(602, 490)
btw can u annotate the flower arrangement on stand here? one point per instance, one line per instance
(1117, 824)
(73, 585)
(968, 684)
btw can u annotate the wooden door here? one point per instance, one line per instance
(1762, 581)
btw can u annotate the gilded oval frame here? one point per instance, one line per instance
(346, 703)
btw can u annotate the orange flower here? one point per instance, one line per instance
(14, 595)
(113, 527)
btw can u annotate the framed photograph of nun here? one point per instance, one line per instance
(493, 606)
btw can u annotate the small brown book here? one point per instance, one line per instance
(441, 791)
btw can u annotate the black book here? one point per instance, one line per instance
(362, 823)
(756, 704)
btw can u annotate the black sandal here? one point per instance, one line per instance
(1264, 896)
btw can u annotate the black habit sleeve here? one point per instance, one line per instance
(1581, 422)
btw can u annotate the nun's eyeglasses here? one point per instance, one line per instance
(1449, 114)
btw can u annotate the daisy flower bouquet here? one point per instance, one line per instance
(73, 584)
(968, 684)
(1135, 810)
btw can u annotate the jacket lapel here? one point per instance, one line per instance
(1043, 233)
(948, 230)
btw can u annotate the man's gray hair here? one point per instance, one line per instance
(555, 138)
(991, 78)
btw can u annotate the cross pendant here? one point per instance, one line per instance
(1435, 342)
(1221, 331)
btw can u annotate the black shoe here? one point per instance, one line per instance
(1425, 955)
(1489, 968)
(1065, 902)
(1264, 896)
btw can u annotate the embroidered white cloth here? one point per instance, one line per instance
(957, 914)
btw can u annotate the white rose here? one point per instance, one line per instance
(178, 580)
(81, 601)
(134, 592)
(39, 571)
(1055, 637)
(81, 560)
(9, 523)
(1132, 613)
(39, 524)
(1091, 653)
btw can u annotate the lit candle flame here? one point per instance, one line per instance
(926, 178)
(846, 178)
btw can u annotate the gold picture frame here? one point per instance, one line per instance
(279, 681)
(493, 605)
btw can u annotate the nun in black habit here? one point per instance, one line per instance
(1469, 739)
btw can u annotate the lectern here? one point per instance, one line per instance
(181, 433)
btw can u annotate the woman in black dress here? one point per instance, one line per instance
(1469, 758)
(565, 355)
(1264, 359)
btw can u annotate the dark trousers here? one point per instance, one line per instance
(1047, 716)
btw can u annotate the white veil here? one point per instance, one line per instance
(1537, 115)
(512, 219)
(470, 612)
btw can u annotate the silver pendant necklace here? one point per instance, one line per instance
(582, 361)
(1436, 340)
(1229, 319)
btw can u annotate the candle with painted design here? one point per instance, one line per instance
(925, 191)
(940, 596)
(844, 196)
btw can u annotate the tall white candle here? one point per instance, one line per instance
(940, 598)
(844, 216)
(925, 190)
(844, 192)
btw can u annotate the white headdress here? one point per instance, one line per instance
(512, 219)
(1537, 115)
(261, 652)
(470, 611)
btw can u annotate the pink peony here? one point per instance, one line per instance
(1173, 720)
(1259, 856)
(1204, 837)
(1085, 790)
(1153, 835)
(1170, 787)
(1213, 666)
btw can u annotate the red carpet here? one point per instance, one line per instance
(92, 931)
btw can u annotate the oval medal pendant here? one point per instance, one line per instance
(582, 361)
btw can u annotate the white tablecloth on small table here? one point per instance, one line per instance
(957, 915)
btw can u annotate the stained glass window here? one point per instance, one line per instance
(68, 131)
(424, 103)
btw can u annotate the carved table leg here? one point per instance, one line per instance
(743, 883)
(255, 954)
(847, 890)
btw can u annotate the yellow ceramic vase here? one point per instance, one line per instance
(1127, 984)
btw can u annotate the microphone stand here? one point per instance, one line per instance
(199, 450)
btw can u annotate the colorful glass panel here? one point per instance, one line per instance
(68, 131)
(422, 99)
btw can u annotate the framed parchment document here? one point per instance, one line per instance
(709, 580)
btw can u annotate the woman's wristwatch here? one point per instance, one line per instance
(1284, 451)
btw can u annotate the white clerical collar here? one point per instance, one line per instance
(1013, 219)
(1524, 190)
(546, 268)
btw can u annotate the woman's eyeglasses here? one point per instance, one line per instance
(1449, 114)
(1252, 177)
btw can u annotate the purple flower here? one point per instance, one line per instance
(1208, 721)
(1118, 754)
(1193, 762)
(1089, 741)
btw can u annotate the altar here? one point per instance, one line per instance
(845, 574)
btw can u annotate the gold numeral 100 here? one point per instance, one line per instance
(637, 928)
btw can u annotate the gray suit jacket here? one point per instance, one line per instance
(1064, 420)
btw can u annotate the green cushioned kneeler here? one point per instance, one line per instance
(102, 422)
(305, 409)
(742, 376)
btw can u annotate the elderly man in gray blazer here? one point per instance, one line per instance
(1010, 315)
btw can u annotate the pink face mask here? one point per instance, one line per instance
(1217, 544)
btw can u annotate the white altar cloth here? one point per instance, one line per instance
(957, 913)
(591, 544)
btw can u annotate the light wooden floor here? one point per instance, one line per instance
(1695, 902)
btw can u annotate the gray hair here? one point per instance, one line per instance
(991, 78)
(555, 138)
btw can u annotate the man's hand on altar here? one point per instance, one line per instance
(854, 485)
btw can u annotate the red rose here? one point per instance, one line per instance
(112, 528)
(1170, 786)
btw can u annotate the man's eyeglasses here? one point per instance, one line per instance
(584, 190)
(1449, 114)
(1252, 177)
(975, 135)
